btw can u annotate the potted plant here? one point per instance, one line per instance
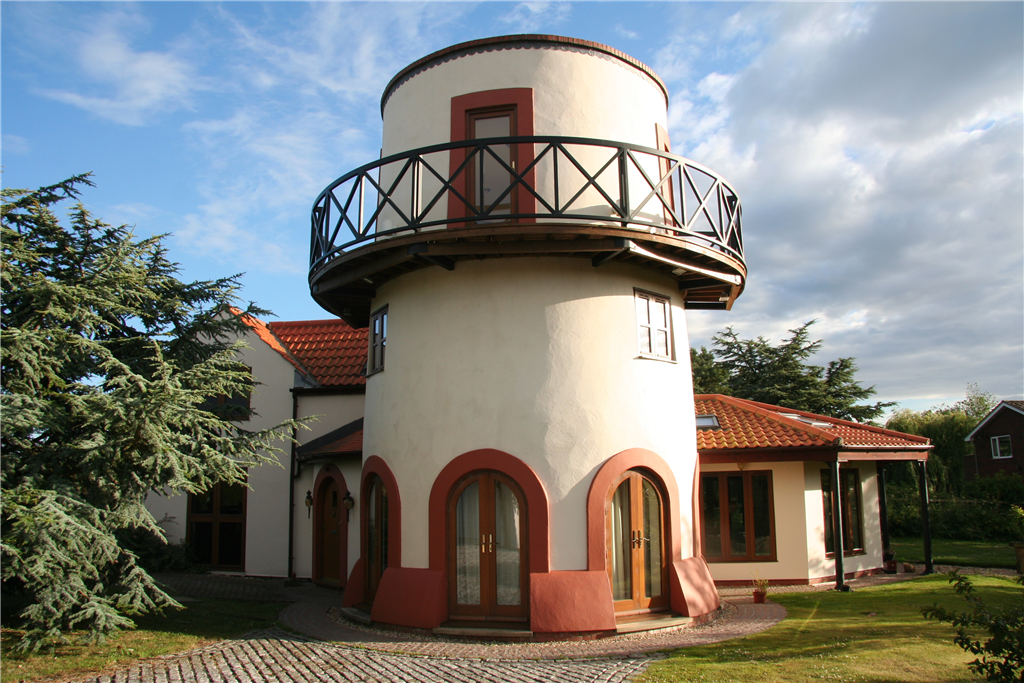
(888, 561)
(760, 589)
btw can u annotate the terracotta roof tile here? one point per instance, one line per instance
(749, 424)
(263, 332)
(333, 353)
(345, 439)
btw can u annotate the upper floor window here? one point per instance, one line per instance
(654, 324)
(1001, 447)
(378, 340)
(235, 408)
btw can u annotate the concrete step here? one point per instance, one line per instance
(490, 633)
(641, 625)
(356, 615)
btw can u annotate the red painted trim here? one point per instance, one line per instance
(522, 100)
(325, 473)
(537, 509)
(571, 602)
(416, 598)
(354, 590)
(600, 494)
(376, 465)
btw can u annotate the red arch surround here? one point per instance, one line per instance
(537, 510)
(376, 465)
(692, 590)
(328, 472)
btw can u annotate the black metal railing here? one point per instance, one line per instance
(526, 180)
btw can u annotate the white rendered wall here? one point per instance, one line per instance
(818, 564)
(537, 357)
(303, 522)
(575, 94)
(790, 524)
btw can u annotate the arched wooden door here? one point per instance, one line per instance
(487, 556)
(376, 551)
(331, 518)
(636, 545)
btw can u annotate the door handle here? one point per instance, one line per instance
(491, 538)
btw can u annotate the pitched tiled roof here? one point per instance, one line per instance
(749, 424)
(346, 439)
(263, 332)
(333, 353)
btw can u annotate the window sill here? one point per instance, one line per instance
(734, 560)
(374, 372)
(644, 356)
(847, 553)
(1003, 457)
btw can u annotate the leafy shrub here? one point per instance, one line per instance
(1004, 487)
(1001, 657)
(154, 554)
(960, 519)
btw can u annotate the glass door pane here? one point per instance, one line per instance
(491, 179)
(622, 549)
(737, 517)
(467, 546)
(506, 545)
(652, 542)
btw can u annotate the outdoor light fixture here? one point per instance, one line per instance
(309, 504)
(349, 502)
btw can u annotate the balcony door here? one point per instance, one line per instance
(636, 561)
(487, 550)
(489, 177)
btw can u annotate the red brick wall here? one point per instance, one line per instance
(1006, 422)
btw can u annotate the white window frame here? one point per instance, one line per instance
(650, 350)
(996, 450)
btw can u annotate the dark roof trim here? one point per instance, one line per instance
(533, 40)
(326, 390)
(987, 418)
(306, 450)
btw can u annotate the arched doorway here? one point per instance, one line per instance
(487, 549)
(377, 525)
(330, 528)
(637, 558)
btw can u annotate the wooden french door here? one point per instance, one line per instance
(329, 515)
(636, 546)
(487, 550)
(488, 173)
(376, 551)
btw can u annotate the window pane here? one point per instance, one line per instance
(645, 340)
(712, 515)
(622, 566)
(737, 517)
(643, 315)
(232, 497)
(851, 509)
(201, 540)
(662, 337)
(659, 313)
(652, 541)
(826, 504)
(506, 544)
(229, 544)
(467, 546)
(761, 493)
(202, 503)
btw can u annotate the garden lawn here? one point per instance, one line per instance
(202, 622)
(958, 553)
(873, 634)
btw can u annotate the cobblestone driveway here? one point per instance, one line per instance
(274, 656)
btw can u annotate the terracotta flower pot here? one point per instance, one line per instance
(759, 596)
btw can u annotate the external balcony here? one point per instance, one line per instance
(525, 196)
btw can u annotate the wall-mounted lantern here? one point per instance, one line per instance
(349, 502)
(309, 504)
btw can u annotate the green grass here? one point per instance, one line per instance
(874, 635)
(201, 622)
(959, 553)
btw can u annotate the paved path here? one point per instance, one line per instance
(330, 650)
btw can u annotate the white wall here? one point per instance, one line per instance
(537, 357)
(575, 94)
(818, 564)
(790, 524)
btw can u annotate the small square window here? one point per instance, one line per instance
(1001, 447)
(654, 325)
(378, 340)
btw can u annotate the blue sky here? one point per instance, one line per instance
(878, 148)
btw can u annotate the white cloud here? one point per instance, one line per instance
(14, 144)
(877, 150)
(131, 86)
(530, 17)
